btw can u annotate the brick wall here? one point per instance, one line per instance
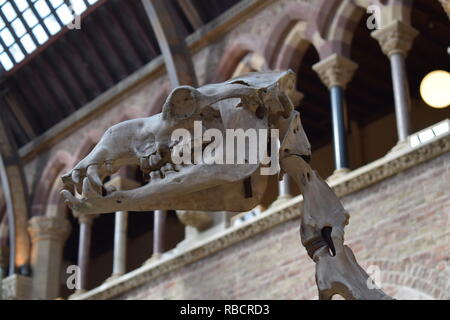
(401, 225)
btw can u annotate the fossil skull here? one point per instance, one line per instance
(253, 101)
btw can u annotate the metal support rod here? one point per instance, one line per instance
(339, 134)
(84, 250)
(120, 242)
(158, 231)
(401, 95)
(176, 54)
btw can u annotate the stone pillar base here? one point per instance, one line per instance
(113, 277)
(220, 221)
(155, 257)
(77, 293)
(401, 145)
(16, 287)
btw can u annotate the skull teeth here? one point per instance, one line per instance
(153, 160)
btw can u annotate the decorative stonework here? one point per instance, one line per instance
(16, 287)
(390, 165)
(335, 70)
(337, 174)
(396, 37)
(356, 180)
(85, 218)
(46, 228)
(198, 219)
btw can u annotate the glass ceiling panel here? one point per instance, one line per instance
(27, 24)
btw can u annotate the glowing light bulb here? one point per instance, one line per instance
(435, 89)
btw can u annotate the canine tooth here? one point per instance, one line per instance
(69, 198)
(94, 176)
(154, 159)
(67, 178)
(76, 176)
(88, 191)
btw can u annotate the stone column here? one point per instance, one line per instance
(336, 72)
(396, 40)
(84, 249)
(48, 235)
(122, 181)
(120, 244)
(158, 232)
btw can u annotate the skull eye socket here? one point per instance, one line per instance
(181, 104)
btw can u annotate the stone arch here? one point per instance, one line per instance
(90, 140)
(304, 17)
(396, 10)
(60, 163)
(156, 106)
(251, 62)
(406, 279)
(339, 31)
(293, 49)
(233, 55)
(3, 237)
(131, 114)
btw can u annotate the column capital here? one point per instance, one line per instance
(200, 220)
(336, 70)
(86, 218)
(45, 228)
(396, 37)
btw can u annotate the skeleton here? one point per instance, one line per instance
(257, 101)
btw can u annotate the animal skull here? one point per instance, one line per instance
(254, 101)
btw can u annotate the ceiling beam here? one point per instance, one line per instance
(173, 46)
(191, 13)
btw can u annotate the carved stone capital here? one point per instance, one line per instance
(335, 70)
(396, 37)
(16, 287)
(197, 219)
(86, 218)
(45, 228)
